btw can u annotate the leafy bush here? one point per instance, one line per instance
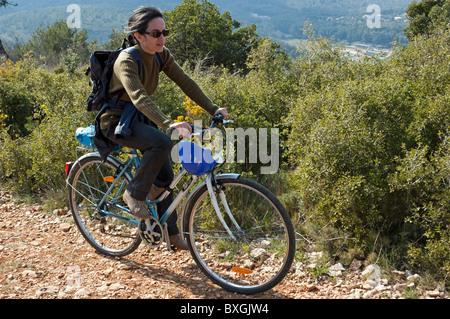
(35, 162)
(370, 149)
(425, 180)
(17, 110)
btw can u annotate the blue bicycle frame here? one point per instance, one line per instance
(134, 161)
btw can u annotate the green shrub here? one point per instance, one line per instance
(426, 181)
(369, 149)
(35, 161)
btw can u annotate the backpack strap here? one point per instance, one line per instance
(159, 60)
(137, 58)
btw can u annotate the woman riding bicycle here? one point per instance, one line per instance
(146, 29)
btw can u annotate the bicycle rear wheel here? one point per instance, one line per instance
(106, 226)
(262, 250)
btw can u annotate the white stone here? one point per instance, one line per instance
(116, 286)
(258, 252)
(372, 272)
(82, 293)
(336, 270)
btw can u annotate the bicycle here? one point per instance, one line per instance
(246, 245)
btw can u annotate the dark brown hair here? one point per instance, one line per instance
(139, 20)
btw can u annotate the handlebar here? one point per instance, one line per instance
(216, 120)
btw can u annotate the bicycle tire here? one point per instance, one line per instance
(88, 182)
(264, 250)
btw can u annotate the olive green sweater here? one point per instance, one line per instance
(126, 76)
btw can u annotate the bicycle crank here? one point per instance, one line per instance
(151, 232)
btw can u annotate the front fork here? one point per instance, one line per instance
(213, 189)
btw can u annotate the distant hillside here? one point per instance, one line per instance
(345, 20)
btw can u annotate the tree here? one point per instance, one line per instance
(16, 108)
(4, 3)
(426, 17)
(55, 44)
(200, 32)
(3, 51)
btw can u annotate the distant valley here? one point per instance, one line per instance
(373, 23)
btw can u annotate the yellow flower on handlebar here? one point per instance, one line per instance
(179, 119)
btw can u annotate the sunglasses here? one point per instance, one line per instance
(156, 33)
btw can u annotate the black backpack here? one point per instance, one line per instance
(101, 68)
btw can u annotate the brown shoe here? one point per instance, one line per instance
(178, 242)
(155, 191)
(138, 208)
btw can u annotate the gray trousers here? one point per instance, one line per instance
(155, 165)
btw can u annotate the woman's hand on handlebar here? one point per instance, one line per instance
(183, 128)
(223, 112)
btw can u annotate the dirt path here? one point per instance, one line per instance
(43, 256)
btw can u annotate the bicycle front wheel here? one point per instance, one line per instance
(98, 208)
(258, 253)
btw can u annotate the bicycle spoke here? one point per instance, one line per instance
(98, 209)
